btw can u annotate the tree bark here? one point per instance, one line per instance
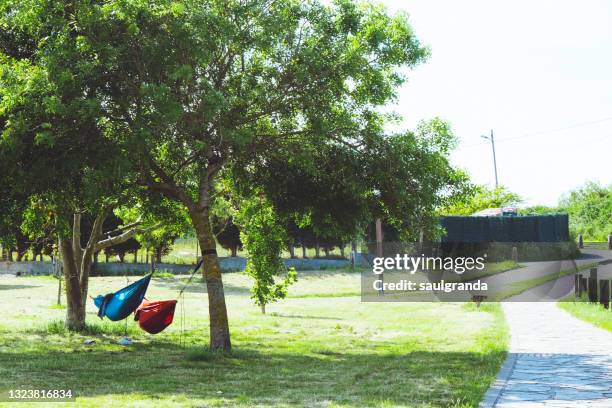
(217, 309)
(317, 250)
(291, 249)
(234, 252)
(304, 252)
(75, 310)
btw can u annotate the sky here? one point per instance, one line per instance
(537, 73)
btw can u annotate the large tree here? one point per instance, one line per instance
(57, 159)
(194, 92)
(198, 87)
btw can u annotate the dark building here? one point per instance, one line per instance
(521, 228)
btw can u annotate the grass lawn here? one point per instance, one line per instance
(519, 287)
(593, 313)
(596, 245)
(321, 347)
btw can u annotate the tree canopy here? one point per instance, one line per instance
(590, 211)
(481, 198)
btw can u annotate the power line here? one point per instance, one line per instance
(545, 132)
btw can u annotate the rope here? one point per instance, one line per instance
(181, 299)
(191, 277)
(182, 296)
(127, 283)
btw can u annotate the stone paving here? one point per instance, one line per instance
(558, 360)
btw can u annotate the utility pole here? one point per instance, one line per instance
(492, 139)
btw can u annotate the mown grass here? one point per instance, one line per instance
(593, 313)
(324, 351)
(519, 287)
(596, 245)
(491, 269)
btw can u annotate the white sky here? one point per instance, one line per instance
(521, 68)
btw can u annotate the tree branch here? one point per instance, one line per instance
(76, 234)
(118, 239)
(132, 225)
(96, 229)
(166, 186)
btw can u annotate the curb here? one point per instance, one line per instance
(492, 395)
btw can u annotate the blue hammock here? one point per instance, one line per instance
(119, 305)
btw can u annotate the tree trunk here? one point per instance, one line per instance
(158, 255)
(263, 308)
(217, 310)
(121, 256)
(304, 252)
(85, 272)
(75, 306)
(291, 249)
(342, 251)
(136, 256)
(326, 250)
(317, 250)
(234, 251)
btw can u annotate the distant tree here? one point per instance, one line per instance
(168, 220)
(481, 198)
(227, 234)
(112, 225)
(293, 237)
(590, 211)
(539, 209)
(304, 237)
(38, 227)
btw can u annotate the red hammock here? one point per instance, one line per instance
(153, 317)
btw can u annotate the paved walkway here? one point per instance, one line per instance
(555, 360)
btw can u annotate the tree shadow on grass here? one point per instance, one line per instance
(253, 376)
(12, 287)
(292, 316)
(198, 286)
